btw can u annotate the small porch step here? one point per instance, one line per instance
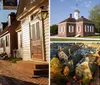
(33, 69)
(41, 70)
(41, 66)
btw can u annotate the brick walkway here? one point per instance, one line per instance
(10, 76)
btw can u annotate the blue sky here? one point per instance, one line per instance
(4, 14)
(60, 9)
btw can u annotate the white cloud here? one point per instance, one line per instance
(87, 3)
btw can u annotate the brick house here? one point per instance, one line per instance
(77, 26)
(8, 35)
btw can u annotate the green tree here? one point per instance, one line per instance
(95, 16)
(54, 29)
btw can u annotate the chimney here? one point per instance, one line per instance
(70, 15)
(82, 16)
(11, 18)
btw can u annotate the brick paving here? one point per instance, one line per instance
(10, 76)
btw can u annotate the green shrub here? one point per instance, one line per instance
(14, 60)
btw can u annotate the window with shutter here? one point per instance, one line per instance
(21, 40)
(85, 28)
(69, 28)
(38, 30)
(7, 41)
(92, 28)
(33, 32)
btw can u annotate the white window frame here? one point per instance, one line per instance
(78, 28)
(34, 23)
(87, 28)
(92, 29)
(63, 28)
(7, 40)
(71, 28)
(59, 29)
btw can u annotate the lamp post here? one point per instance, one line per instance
(42, 15)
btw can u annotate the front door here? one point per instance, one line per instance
(36, 40)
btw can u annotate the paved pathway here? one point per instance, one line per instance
(10, 76)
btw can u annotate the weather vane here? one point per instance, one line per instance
(0, 4)
(76, 6)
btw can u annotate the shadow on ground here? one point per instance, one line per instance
(4, 80)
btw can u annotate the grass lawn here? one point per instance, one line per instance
(93, 37)
(56, 39)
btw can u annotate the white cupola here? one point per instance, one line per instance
(76, 13)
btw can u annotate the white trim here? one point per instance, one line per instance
(40, 26)
(87, 29)
(27, 11)
(71, 28)
(4, 33)
(78, 28)
(63, 28)
(92, 29)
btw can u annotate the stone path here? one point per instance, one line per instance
(10, 76)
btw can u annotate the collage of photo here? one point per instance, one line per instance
(49, 42)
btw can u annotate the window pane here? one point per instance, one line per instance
(33, 32)
(69, 28)
(38, 30)
(7, 40)
(72, 28)
(85, 28)
(21, 40)
(92, 28)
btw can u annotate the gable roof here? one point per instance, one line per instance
(69, 20)
(84, 20)
(27, 5)
(78, 20)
